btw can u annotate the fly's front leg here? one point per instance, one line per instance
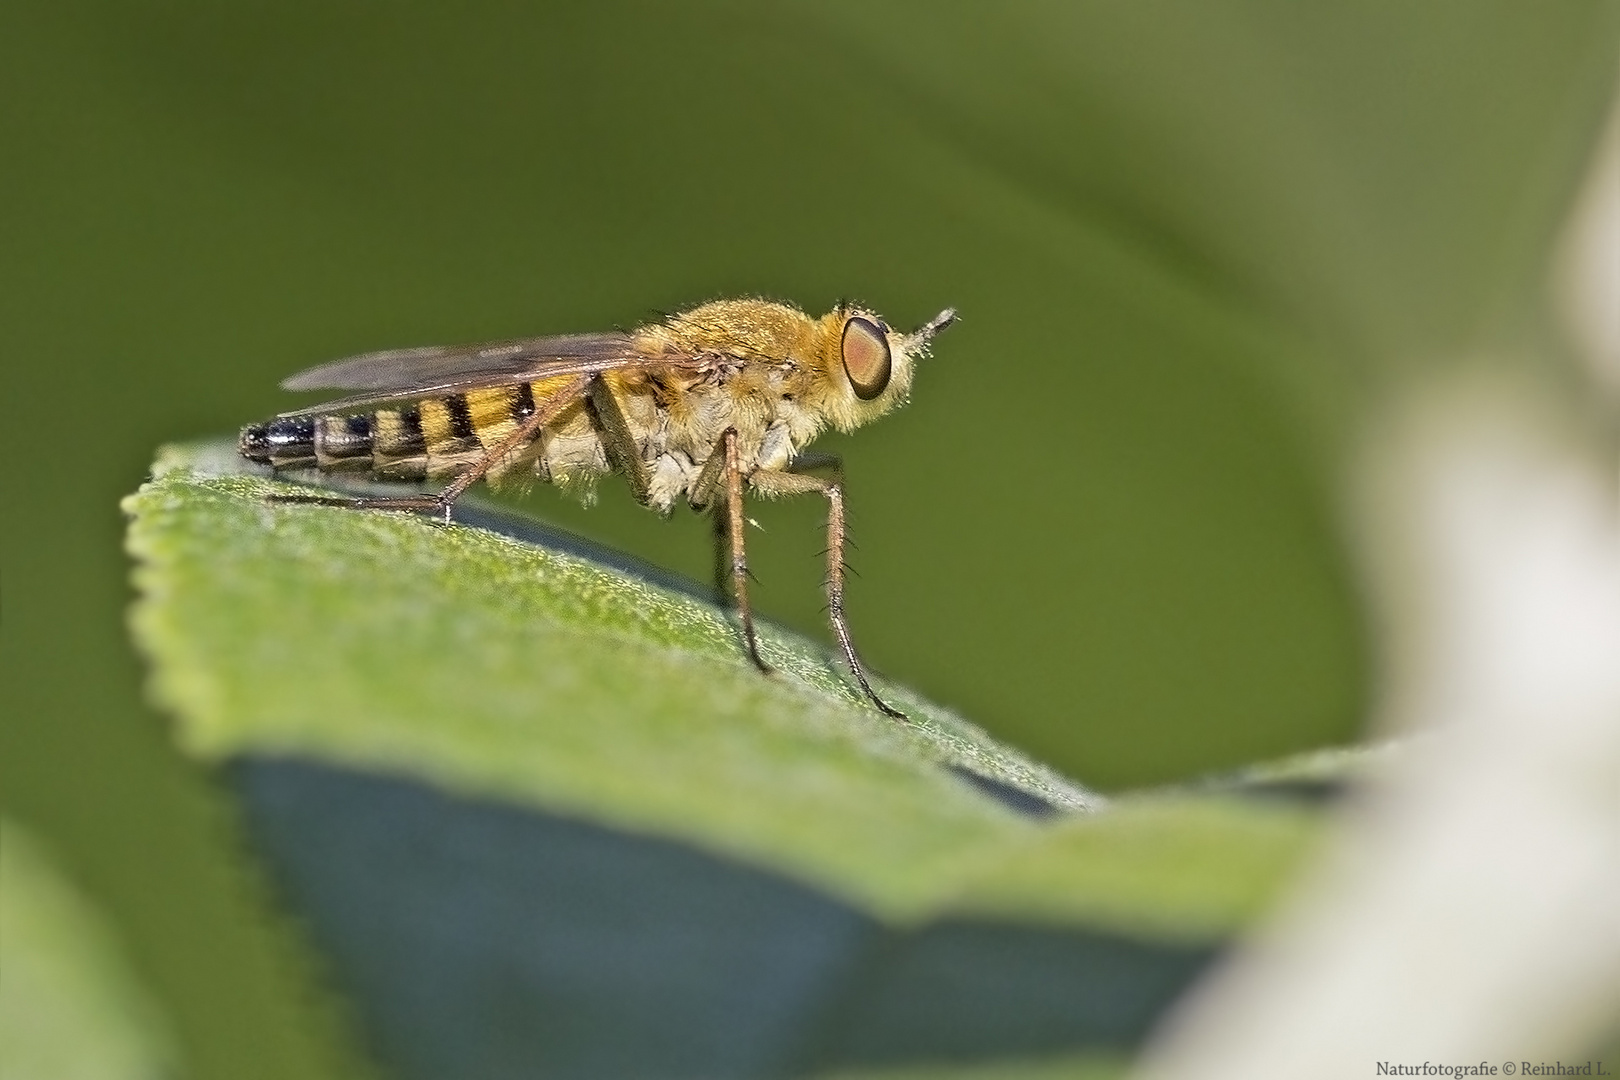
(836, 535)
(796, 483)
(446, 498)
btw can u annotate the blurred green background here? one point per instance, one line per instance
(1190, 244)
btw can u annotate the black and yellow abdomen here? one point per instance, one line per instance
(432, 437)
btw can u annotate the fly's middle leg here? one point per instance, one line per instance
(720, 486)
(736, 525)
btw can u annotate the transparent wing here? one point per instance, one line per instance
(397, 370)
(408, 374)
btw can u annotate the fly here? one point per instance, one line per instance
(698, 407)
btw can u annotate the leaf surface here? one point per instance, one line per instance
(536, 805)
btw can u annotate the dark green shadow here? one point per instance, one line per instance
(481, 940)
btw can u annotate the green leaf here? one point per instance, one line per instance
(495, 667)
(536, 805)
(70, 1008)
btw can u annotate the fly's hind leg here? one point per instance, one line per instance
(800, 483)
(435, 503)
(721, 484)
(441, 502)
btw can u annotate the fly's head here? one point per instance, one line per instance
(865, 366)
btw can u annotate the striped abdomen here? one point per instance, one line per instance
(429, 438)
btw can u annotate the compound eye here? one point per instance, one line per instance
(866, 357)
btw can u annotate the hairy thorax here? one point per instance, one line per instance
(677, 420)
